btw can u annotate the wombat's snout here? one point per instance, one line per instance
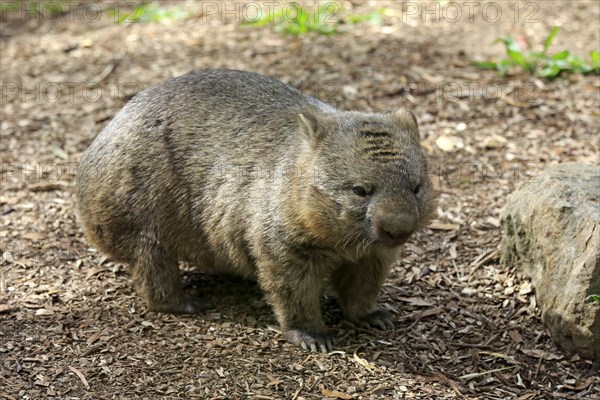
(393, 229)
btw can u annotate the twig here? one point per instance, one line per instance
(80, 375)
(297, 392)
(478, 374)
(104, 74)
(483, 259)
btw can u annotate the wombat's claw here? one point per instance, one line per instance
(320, 342)
(380, 319)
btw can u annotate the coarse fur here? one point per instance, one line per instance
(237, 172)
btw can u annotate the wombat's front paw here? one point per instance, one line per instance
(185, 305)
(379, 318)
(314, 342)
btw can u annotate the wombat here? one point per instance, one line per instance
(236, 172)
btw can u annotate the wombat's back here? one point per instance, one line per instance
(240, 107)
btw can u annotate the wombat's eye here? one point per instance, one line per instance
(360, 191)
(417, 189)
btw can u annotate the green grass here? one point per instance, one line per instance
(52, 8)
(373, 18)
(540, 63)
(593, 298)
(147, 12)
(297, 20)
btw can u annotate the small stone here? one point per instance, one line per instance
(350, 91)
(492, 142)
(426, 117)
(449, 143)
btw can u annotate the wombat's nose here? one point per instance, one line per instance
(394, 229)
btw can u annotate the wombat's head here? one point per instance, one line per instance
(371, 184)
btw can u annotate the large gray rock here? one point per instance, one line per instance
(552, 233)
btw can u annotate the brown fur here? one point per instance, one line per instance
(236, 172)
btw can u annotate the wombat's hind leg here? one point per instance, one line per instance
(157, 279)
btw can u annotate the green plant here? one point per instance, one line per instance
(50, 8)
(296, 20)
(540, 63)
(593, 298)
(147, 12)
(374, 18)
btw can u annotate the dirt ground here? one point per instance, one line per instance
(71, 326)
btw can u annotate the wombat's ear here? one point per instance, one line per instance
(407, 120)
(309, 125)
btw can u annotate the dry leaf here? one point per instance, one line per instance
(43, 311)
(80, 375)
(30, 305)
(272, 380)
(336, 395)
(495, 222)
(47, 186)
(515, 336)
(525, 288)
(527, 396)
(432, 311)
(363, 362)
(60, 153)
(506, 357)
(6, 308)
(492, 142)
(93, 338)
(453, 252)
(546, 355)
(439, 377)
(32, 236)
(96, 270)
(478, 374)
(584, 384)
(415, 301)
(437, 226)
